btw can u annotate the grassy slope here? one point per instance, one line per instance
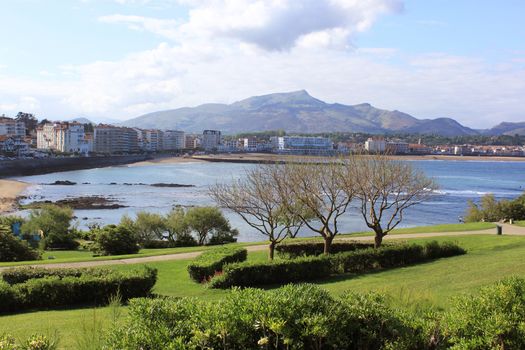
(489, 259)
(82, 255)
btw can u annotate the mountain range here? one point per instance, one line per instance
(301, 113)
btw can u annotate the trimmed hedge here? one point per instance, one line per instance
(212, 261)
(22, 274)
(297, 249)
(310, 268)
(90, 287)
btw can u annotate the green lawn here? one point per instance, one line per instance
(520, 223)
(83, 255)
(433, 284)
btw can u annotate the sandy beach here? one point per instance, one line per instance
(167, 160)
(9, 191)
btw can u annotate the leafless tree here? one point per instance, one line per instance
(256, 200)
(385, 188)
(317, 188)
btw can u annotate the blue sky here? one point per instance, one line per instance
(119, 59)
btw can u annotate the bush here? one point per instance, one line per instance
(309, 268)
(22, 274)
(14, 249)
(309, 248)
(90, 287)
(34, 342)
(493, 319)
(115, 240)
(181, 241)
(291, 317)
(212, 261)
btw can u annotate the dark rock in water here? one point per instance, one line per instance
(63, 183)
(86, 183)
(170, 185)
(93, 202)
(113, 183)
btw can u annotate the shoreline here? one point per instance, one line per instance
(10, 191)
(271, 158)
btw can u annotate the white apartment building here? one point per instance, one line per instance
(211, 139)
(173, 140)
(64, 137)
(12, 127)
(375, 145)
(397, 147)
(302, 145)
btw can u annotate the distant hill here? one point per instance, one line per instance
(506, 128)
(81, 120)
(295, 112)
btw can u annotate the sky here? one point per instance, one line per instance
(118, 59)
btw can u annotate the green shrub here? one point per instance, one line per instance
(308, 248)
(309, 268)
(22, 274)
(212, 261)
(34, 342)
(14, 249)
(291, 317)
(115, 240)
(493, 319)
(53, 290)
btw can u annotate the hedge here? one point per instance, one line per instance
(309, 248)
(291, 317)
(212, 261)
(90, 287)
(310, 268)
(22, 274)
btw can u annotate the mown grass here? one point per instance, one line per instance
(520, 223)
(430, 285)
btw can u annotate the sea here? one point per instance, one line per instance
(459, 181)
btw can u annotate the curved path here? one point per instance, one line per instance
(507, 230)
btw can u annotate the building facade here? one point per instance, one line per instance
(173, 140)
(12, 127)
(64, 137)
(375, 145)
(211, 139)
(302, 145)
(109, 139)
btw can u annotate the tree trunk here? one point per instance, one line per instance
(328, 244)
(378, 239)
(271, 250)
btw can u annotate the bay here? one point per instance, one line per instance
(459, 181)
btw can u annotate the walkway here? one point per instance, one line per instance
(507, 230)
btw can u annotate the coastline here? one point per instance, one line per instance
(270, 158)
(10, 190)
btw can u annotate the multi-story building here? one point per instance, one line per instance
(64, 137)
(302, 145)
(173, 140)
(12, 127)
(375, 145)
(13, 146)
(152, 140)
(192, 142)
(249, 144)
(396, 147)
(110, 139)
(211, 139)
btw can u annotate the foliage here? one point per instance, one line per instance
(291, 317)
(211, 261)
(115, 240)
(178, 229)
(14, 249)
(207, 222)
(148, 226)
(19, 275)
(34, 342)
(249, 274)
(492, 210)
(54, 290)
(307, 248)
(54, 223)
(493, 319)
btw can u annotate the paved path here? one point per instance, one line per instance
(507, 230)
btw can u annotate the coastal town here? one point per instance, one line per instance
(25, 137)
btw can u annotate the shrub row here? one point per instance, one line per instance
(308, 317)
(310, 268)
(212, 261)
(309, 248)
(87, 288)
(34, 342)
(291, 317)
(22, 274)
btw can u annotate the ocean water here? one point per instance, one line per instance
(459, 181)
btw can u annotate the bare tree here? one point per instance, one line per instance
(256, 200)
(317, 188)
(385, 189)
